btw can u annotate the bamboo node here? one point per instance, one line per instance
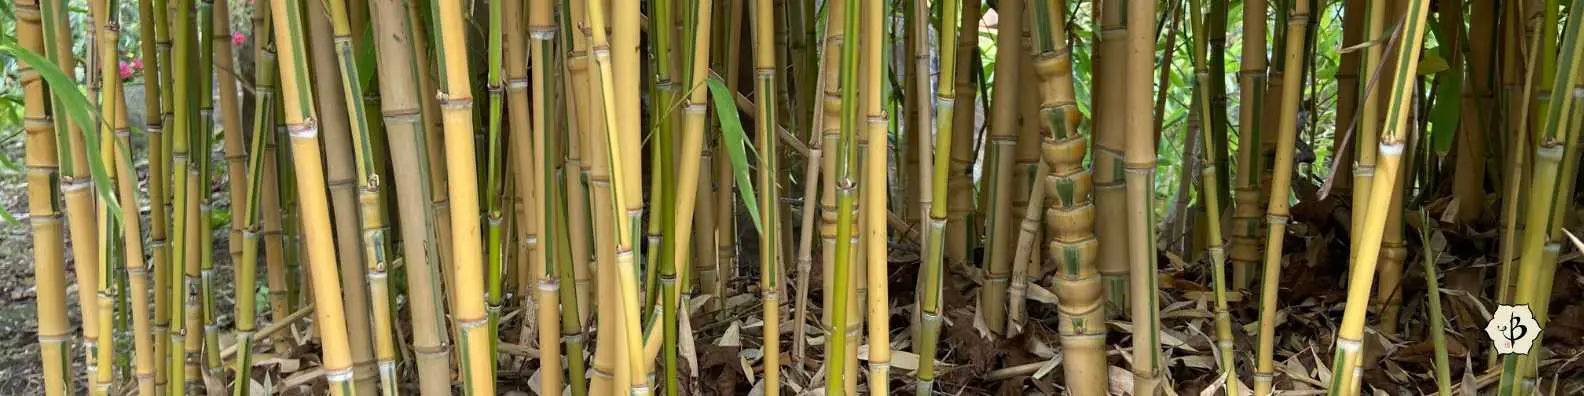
(44, 220)
(1391, 148)
(338, 375)
(308, 129)
(73, 184)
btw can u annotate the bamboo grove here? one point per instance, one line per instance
(492, 196)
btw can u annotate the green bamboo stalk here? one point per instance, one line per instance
(207, 358)
(845, 155)
(247, 269)
(259, 171)
(1553, 175)
(571, 321)
(495, 242)
(1443, 374)
(1210, 193)
(930, 301)
(181, 133)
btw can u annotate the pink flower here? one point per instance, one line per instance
(137, 64)
(126, 70)
(237, 38)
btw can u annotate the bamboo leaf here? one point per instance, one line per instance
(1447, 112)
(734, 138)
(9, 219)
(81, 111)
(1432, 63)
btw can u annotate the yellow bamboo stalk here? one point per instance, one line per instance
(1369, 120)
(1109, 125)
(1139, 163)
(1069, 211)
(765, 123)
(76, 181)
(44, 215)
(341, 175)
(960, 180)
(112, 120)
(230, 121)
(119, 152)
(537, 177)
(1349, 348)
(577, 64)
(874, 206)
(1000, 158)
(1246, 222)
(309, 172)
(617, 141)
(456, 103)
(1277, 211)
(152, 29)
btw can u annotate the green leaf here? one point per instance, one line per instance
(9, 219)
(1432, 63)
(1446, 113)
(734, 138)
(81, 111)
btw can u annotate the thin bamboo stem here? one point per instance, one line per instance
(1277, 212)
(1443, 374)
(152, 28)
(111, 129)
(930, 301)
(1210, 193)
